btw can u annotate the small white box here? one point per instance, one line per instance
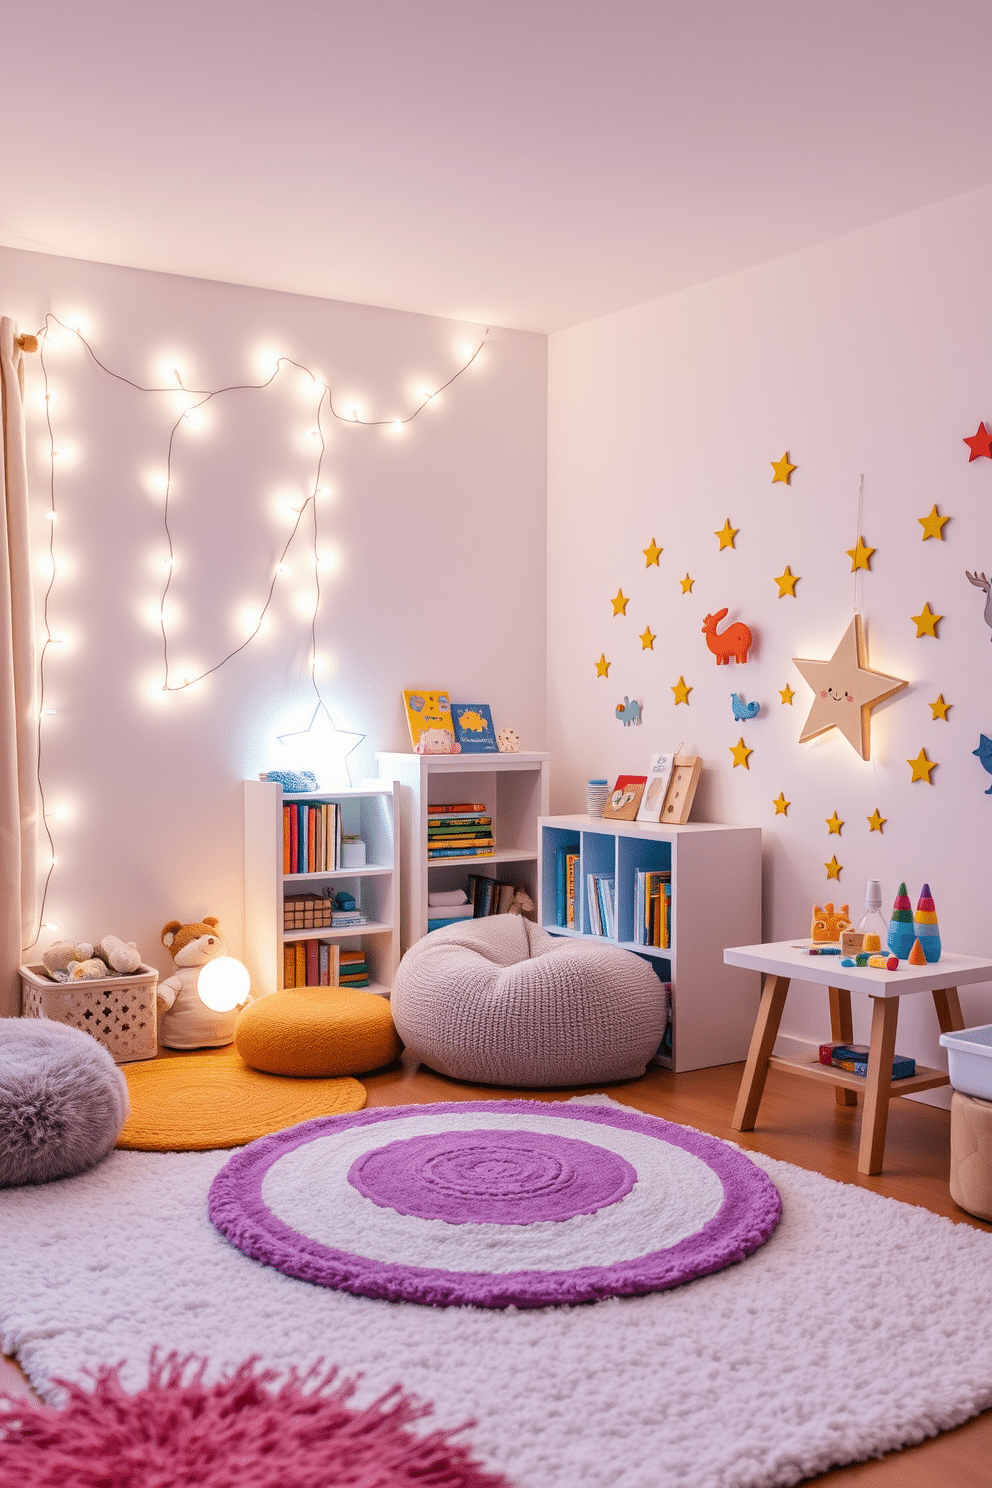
(353, 854)
(969, 1060)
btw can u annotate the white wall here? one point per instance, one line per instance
(871, 354)
(438, 535)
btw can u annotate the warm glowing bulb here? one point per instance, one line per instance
(195, 418)
(52, 516)
(47, 925)
(223, 984)
(397, 426)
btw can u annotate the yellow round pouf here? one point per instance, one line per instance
(317, 1031)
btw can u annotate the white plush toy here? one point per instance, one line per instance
(187, 1023)
(88, 971)
(123, 958)
(63, 955)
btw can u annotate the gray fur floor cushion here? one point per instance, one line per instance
(63, 1101)
(499, 1001)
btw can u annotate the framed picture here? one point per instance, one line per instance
(474, 730)
(428, 715)
(625, 798)
(658, 777)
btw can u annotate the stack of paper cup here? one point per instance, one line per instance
(597, 795)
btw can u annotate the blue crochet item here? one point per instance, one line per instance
(293, 782)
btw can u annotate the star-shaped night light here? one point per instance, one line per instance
(834, 824)
(620, 603)
(323, 748)
(834, 868)
(787, 583)
(782, 469)
(876, 821)
(726, 535)
(980, 444)
(926, 622)
(860, 555)
(845, 691)
(687, 584)
(652, 554)
(602, 666)
(740, 752)
(921, 767)
(940, 709)
(681, 691)
(786, 694)
(932, 525)
(781, 804)
(648, 639)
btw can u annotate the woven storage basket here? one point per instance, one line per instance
(120, 1011)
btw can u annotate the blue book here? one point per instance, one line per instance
(474, 730)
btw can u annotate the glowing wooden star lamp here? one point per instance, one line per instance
(845, 691)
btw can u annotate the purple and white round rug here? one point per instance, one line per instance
(494, 1203)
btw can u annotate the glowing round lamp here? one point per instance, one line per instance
(223, 984)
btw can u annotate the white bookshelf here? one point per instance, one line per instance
(514, 788)
(716, 902)
(368, 811)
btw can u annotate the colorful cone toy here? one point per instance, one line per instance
(901, 934)
(925, 925)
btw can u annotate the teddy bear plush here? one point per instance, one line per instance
(184, 1021)
(63, 955)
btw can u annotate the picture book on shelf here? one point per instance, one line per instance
(625, 798)
(432, 730)
(658, 779)
(474, 728)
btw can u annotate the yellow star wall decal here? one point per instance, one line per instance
(926, 622)
(781, 804)
(787, 583)
(783, 470)
(648, 639)
(726, 535)
(845, 690)
(786, 694)
(834, 824)
(681, 691)
(932, 525)
(860, 555)
(687, 584)
(876, 821)
(652, 554)
(940, 709)
(834, 869)
(921, 767)
(620, 603)
(602, 666)
(740, 752)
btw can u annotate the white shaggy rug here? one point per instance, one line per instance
(861, 1326)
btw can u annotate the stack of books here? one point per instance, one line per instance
(354, 969)
(439, 915)
(311, 837)
(599, 894)
(460, 831)
(653, 909)
(306, 912)
(854, 1059)
(310, 963)
(342, 918)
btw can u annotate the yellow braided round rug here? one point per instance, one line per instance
(210, 1098)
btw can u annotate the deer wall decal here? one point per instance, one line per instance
(983, 583)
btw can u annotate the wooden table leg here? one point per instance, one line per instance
(773, 994)
(948, 1006)
(842, 1032)
(884, 1015)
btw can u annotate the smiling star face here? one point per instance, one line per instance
(845, 690)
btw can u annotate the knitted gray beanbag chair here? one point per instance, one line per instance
(499, 1001)
(63, 1101)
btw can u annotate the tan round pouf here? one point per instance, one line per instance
(971, 1154)
(317, 1031)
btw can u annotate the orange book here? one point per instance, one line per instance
(301, 964)
(289, 966)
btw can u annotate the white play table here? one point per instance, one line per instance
(781, 961)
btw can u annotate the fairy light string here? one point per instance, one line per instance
(325, 407)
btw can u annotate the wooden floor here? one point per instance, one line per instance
(799, 1123)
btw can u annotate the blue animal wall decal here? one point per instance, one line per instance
(984, 753)
(982, 583)
(742, 709)
(629, 711)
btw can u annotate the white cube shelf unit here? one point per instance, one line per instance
(716, 902)
(514, 790)
(368, 811)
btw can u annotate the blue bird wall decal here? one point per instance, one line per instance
(984, 753)
(742, 709)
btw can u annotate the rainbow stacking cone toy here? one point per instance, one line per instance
(901, 932)
(925, 925)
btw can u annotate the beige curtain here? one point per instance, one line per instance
(19, 797)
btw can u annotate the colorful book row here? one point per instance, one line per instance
(311, 963)
(653, 909)
(599, 900)
(311, 837)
